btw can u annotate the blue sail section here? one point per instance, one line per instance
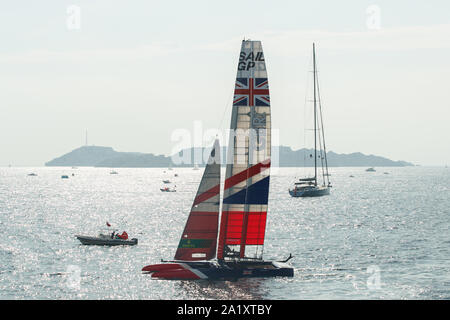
(257, 193)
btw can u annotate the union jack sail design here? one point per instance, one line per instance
(199, 238)
(246, 188)
(251, 92)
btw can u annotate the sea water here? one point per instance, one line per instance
(376, 236)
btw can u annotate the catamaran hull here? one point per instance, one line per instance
(187, 270)
(310, 193)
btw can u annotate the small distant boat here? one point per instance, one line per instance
(166, 181)
(32, 174)
(106, 240)
(351, 176)
(176, 175)
(64, 177)
(113, 172)
(309, 187)
(370, 170)
(166, 189)
(385, 172)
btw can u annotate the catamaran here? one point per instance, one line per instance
(235, 250)
(309, 187)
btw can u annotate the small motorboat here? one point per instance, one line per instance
(166, 189)
(370, 170)
(64, 177)
(32, 174)
(166, 181)
(113, 172)
(106, 240)
(176, 175)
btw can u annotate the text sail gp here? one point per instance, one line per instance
(248, 61)
(235, 249)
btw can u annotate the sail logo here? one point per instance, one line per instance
(195, 243)
(259, 120)
(248, 61)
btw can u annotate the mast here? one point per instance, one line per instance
(248, 182)
(323, 135)
(315, 116)
(322, 130)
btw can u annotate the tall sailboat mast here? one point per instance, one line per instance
(315, 116)
(323, 136)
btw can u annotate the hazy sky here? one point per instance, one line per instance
(133, 72)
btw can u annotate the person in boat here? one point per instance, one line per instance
(230, 252)
(123, 236)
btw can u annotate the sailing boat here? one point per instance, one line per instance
(235, 250)
(309, 187)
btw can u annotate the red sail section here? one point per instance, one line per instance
(232, 224)
(199, 238)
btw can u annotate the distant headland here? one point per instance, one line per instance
(94, 156)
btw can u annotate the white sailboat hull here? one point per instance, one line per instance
(310, 191)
